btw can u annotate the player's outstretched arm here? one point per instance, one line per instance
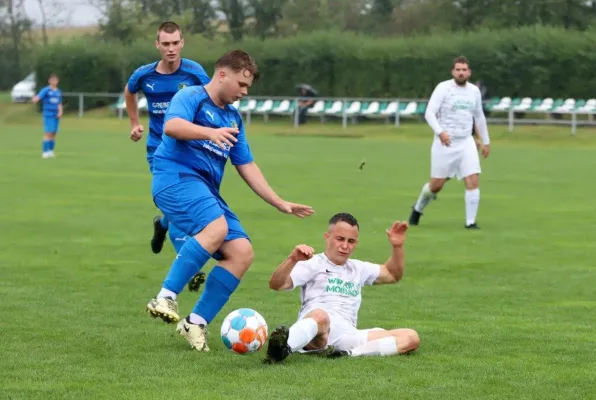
(393, 270)
(253, 176)
(281, 279)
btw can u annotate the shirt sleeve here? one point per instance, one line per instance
(201, 75)
(240, 153)
(183, 105)
(43, 93)
(59, 96)
(433, 107)
(135, 81)
(480, 119)
(301, 274)
(369, 272)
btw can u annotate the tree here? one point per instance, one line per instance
(235, 12)
(266, 15)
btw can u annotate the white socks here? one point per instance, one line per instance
(472, 200)
(166, 293)
(301, 333)
(197, 319)
(380, 347)
(425, 197)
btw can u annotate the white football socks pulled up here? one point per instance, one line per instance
(197, 319)
(472, 201)
(425, 197)
(380, 347)
(301, 333)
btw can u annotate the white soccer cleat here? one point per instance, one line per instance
(195, 334)
(45, 154)
(164, 308)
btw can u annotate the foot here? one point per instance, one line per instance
(195, 334)
(414, 217)
(196, 281)
(159, 235)
(51, 154)
(335, 353)
(472, 226)
(45, 154)
(278, 349)
(165, 308)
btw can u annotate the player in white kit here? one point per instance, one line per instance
(331, 284)
(454, 109)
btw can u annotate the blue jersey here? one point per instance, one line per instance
(50, 100)
(201, 158)
(159, 90)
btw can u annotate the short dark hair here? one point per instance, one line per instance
(168, 27)
(344, 217)
(239, 60)
(53, 75)
(460, 60)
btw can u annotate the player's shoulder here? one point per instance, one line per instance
(234, 110)
(312, 262)
(196, 92)
(145, 69)
(472, 87)
(446, 84)
(359, 264)
(191, 66)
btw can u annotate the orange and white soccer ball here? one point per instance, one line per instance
(244, 331)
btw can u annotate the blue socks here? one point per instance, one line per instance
(188, 262)
(178, 237)
(48, 145)
(218, 288)
(164, 222)
(52, 145)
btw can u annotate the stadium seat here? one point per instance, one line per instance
(390, 110)
(588, 108)
(410, 109)
(354, 108)
(371, 110)
(283, 108)
(249, 106)
(265, 107)
(336, 108)
(503, 105)
(545, 106)
(236, 104)
(142, 104)
(567, 106)
(524, 105)
(317, 108)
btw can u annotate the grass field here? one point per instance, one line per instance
(505, 312)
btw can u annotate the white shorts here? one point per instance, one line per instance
(342, 334)
(460, 159)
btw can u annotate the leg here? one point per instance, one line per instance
(50, 127)
(195, 210)
(441, 169)
(380, 342)
(308, 333)
(470, 171)
(235, 257)
(160, 223)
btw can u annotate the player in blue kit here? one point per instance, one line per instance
(159, 81)
(201, 132)
(51, 100)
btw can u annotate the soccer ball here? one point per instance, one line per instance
(244, 331)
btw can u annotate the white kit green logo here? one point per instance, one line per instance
(337, 285)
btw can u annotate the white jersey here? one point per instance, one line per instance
(453, 109)
(332, 287)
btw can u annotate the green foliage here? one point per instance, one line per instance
(536, 61)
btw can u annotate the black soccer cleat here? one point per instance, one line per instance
(196, 281)
(472, 226)
(338, 353)
(414, 217)
(278, 349)
(159, 235)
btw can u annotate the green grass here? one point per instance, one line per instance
(505, 312)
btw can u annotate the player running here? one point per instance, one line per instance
(201, 132)
(331, 284)
(159, 81)
(453, 109)
(51, 100)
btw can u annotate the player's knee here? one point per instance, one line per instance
(322, 320)
(472, 182)
(436, 185)
(243, 253)
(213, 235)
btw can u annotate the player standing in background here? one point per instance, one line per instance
(331, 293)
(51, 100)
(159, 81)
(201, 132)
(453, 109)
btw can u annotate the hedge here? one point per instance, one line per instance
(534, 62)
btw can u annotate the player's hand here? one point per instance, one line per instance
(444, 136)
(59, 115)
(486, 150)
(136, 133)
(298, 210)
(302, 252)
(224, 136)
(397, 233)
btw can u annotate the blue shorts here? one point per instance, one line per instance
(191, 205)
(50, 124)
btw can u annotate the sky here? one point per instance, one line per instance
(72, 12)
